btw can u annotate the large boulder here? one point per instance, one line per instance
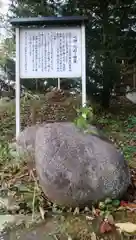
(26, 140)
(76, 168)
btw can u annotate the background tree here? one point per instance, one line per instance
(109, 39)
(110, 36)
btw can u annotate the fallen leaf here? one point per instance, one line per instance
(6, 219)
(126, 227)
(97, 213)
(110, 219)
(123, 204)
(131, 205)
(55, 237)
(128, 205)
(105, 227)
(76, 211)
(93, 211)
(69, 238)
(89, 218)
(93, 236)
(120, 208)
(42, 212)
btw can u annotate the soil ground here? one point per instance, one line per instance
(19, 186)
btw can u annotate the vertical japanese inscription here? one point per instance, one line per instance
(48, 52)
(61, 52)
(64, 51)
(75, 49)
(42, 52)
(58, 52)
(39, 62)
(36, 53)
(45, 53)
(51, 52)
(33, 52)
(69, 52)
(26, 53)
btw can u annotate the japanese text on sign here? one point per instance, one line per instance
(52, 53)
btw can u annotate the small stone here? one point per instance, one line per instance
(93, 236)
(89, 218)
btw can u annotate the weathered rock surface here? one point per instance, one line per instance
(26, 139)
(75, 168)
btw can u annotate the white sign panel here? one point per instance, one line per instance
(50, 53)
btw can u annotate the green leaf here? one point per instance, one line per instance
(116, 203)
